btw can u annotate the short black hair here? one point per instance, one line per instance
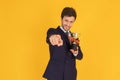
(68, 11)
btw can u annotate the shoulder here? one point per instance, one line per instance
(53, 30)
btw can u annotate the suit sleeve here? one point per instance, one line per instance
(80, 54)
(50, 32)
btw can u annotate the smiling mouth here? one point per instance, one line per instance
(67, 28)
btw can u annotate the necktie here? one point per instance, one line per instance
(67, 33)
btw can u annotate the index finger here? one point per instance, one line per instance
(58, 36)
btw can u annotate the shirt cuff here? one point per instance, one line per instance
(75, 54)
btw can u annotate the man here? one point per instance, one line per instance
(62, 63)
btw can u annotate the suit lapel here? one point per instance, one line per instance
(64, 35)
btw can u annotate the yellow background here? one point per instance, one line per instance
(23, 24)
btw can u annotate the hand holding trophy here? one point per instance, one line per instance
(74, 41)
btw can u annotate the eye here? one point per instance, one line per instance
(66, 20)
(71, 21)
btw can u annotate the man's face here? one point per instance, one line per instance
(67, 22)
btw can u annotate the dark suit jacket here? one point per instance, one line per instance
(62, 64)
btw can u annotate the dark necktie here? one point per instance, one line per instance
(67, 33)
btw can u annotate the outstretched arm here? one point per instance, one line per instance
(53, 38)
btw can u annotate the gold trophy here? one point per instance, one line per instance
(74, 41)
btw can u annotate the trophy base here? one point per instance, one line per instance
(74, 47)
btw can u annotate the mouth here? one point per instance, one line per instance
(67, 27)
